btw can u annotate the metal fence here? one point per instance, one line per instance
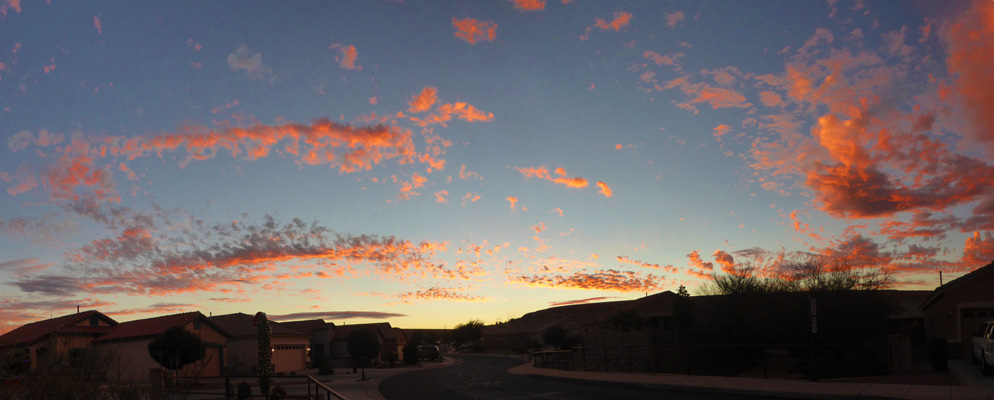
(226, 387)
(201, 387)
(821, 361)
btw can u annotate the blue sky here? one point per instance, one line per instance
(428, 163)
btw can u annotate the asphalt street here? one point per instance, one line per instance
(486, 377)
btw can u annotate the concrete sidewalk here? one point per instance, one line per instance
(768, 387)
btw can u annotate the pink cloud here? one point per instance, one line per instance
(621, 19)
(529, 5)
(98, 24)
(672, 19)
(348, 57)
(721, 130)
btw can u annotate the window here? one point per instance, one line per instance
(982, 314)
(967, 314)
(94, 321)
(76, 357)
(196, 324)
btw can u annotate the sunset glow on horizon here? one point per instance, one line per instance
(428, 163)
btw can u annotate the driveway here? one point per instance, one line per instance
(969, 374)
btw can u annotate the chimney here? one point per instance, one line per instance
(77, 309)
(940, 278)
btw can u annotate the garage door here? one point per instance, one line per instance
(289, 357)
(971, 320)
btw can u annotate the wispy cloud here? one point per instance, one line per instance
(580, 301)
(335, 315)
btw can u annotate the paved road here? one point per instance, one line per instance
(483, 377)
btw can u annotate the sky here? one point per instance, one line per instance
(430, 162)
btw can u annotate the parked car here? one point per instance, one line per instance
(983, 347)
(429, 352)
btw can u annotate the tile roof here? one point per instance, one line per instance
(150, 326)
(240, 325)
(342, 331)
(308, 326)
(35, 331)
(941, 290)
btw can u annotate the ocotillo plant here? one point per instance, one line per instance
(263, 333)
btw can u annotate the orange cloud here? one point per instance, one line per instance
(726, 261)
(470, 197)
(604, 189)
(423, 101)
(529, 5)
(970, 42)
(513, 200)
(97, 24)
(626, 260)
(473, 31)
(620, 20)
(347, 148)
(978, 250)
(612, 280)
(721, 130)
(440, 196)
(543, 173)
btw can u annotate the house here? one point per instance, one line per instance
(392, 341)
(127, 344)
(956, 309)
(321, 334)
(290, 346)
(67, 337)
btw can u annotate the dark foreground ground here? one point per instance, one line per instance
(486, 377)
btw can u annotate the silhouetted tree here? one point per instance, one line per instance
(176, 347)
(471, 331)
(363, 345)
(683, 309)
(555, 336)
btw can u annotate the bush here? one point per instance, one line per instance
(244, 391)
(938, 354)
(176, 347)
(278, 393)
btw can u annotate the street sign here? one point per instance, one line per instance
(814, 324)
(814, 307)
